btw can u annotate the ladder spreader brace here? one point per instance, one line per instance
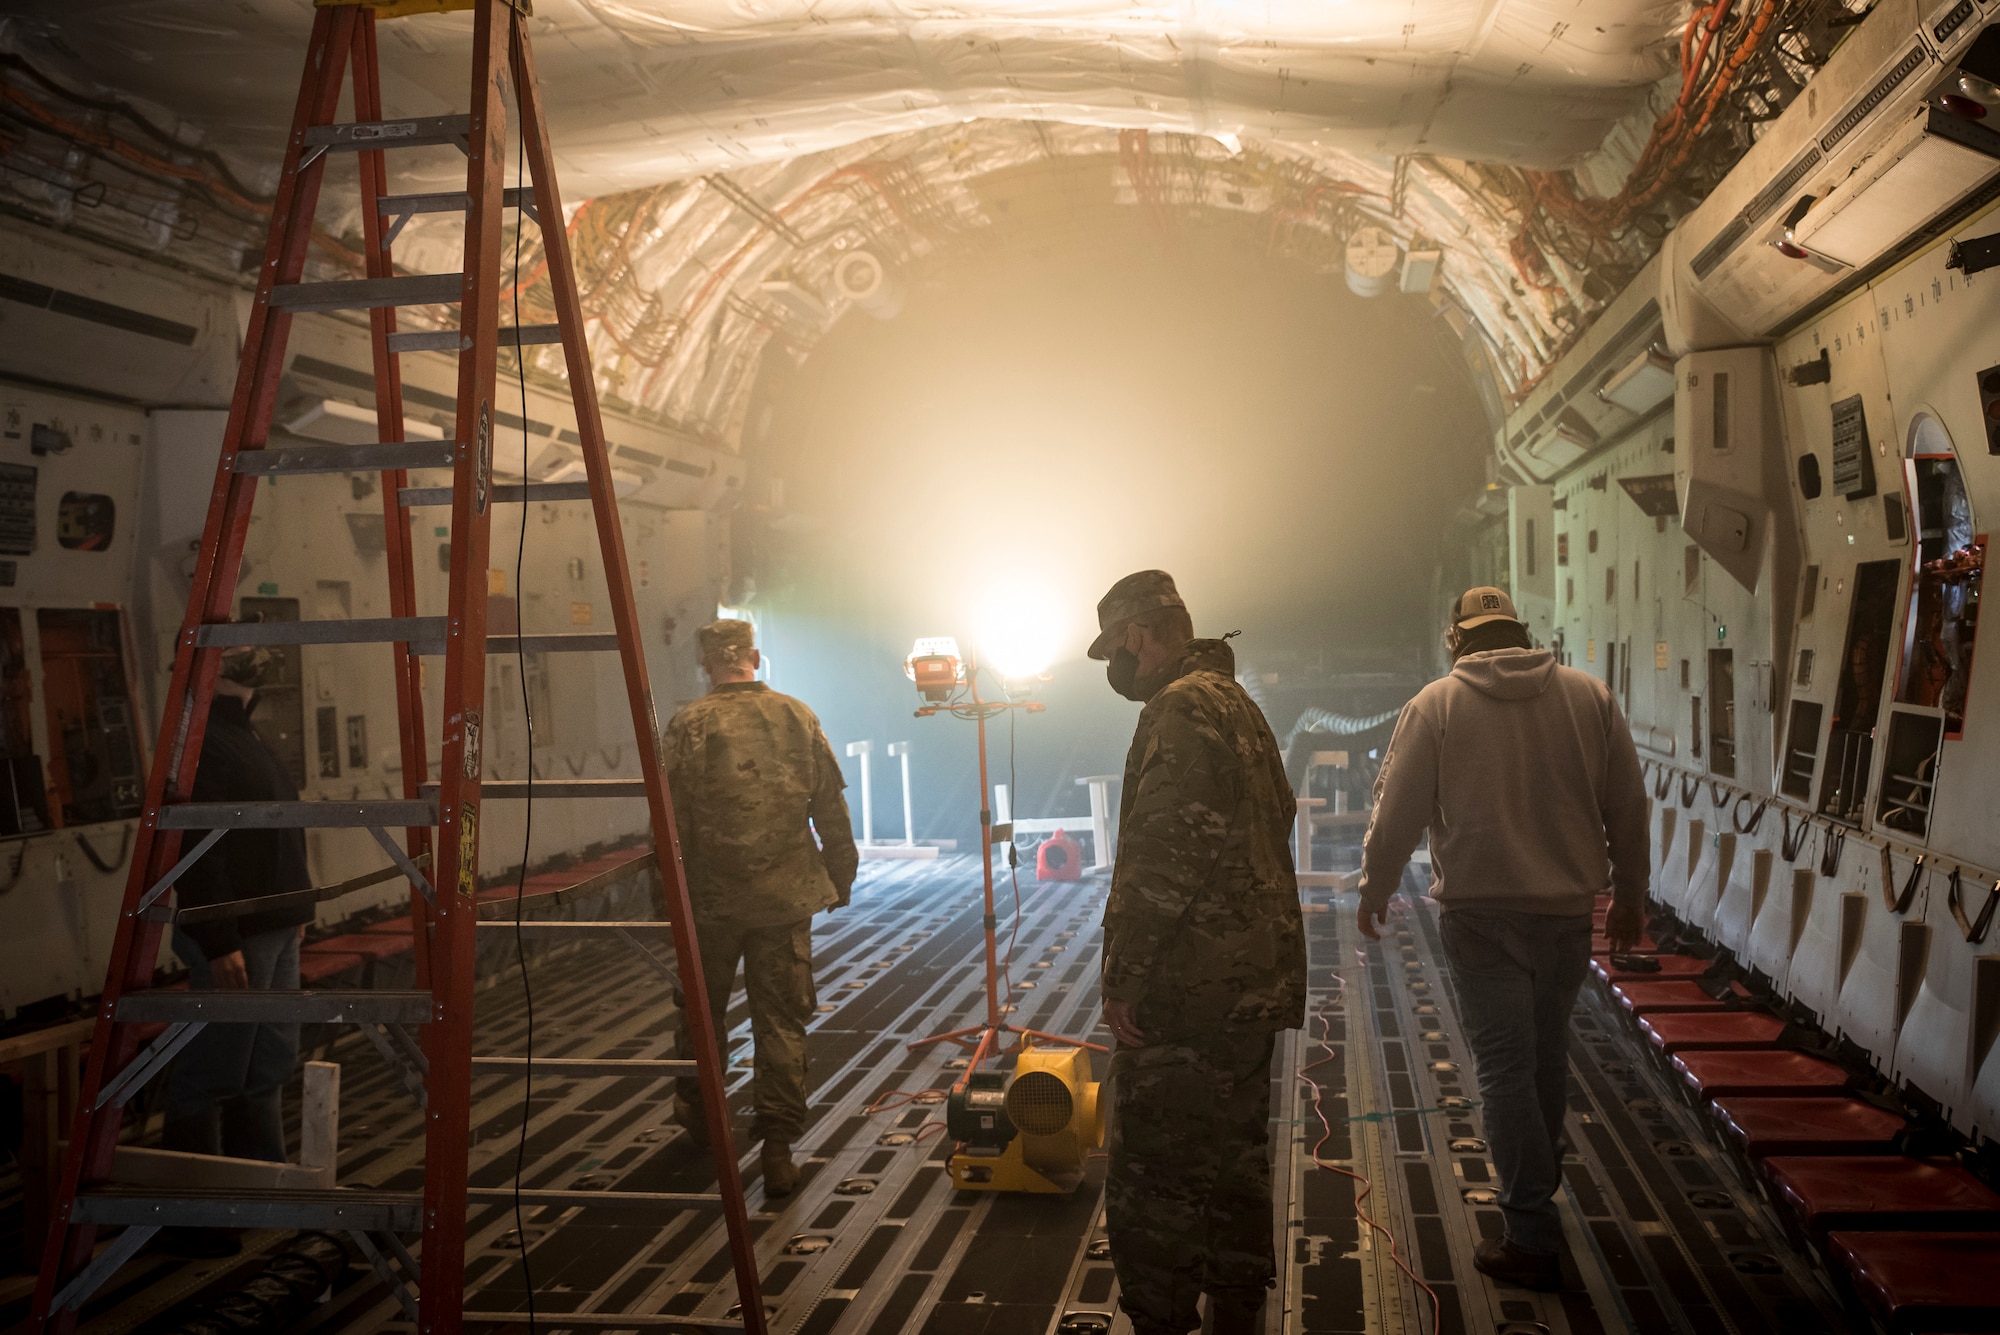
(440, 850)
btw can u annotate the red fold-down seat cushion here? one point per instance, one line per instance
(1881, 1193)
(1924, 1281)
(1727, 1030)
(1809, 1125)
(1682, 994)
(1671, 967)
(1760, 1072)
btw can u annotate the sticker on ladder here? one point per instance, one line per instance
(471, 762)
(468, 852)
(483, 466)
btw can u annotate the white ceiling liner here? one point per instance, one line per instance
(642, 91)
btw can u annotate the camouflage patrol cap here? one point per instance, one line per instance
(1137, 594)
(727, 640)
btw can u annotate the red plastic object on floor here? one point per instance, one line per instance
(1671, 967)
(1915, 1282)
(1730, 1031)
(1826, 1194)
(1680, 995)
(1060, 858)
(1759, 1073)
(1810, 1125)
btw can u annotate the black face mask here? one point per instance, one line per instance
(1123, 674)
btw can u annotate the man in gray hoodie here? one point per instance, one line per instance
(1524, 774)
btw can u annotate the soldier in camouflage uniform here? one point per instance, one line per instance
(753, 778)
(1204, 962)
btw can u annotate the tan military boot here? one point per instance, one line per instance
(781, 1175)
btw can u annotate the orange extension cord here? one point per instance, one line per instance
(1367, 1186)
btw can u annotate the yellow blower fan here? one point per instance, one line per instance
(1030, 1130)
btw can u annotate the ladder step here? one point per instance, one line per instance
(581, 1068)
(442, 201)
(568, 642)
(511, 789)
(354, 630)
(561, 929)
(336, 1208)
(417, 132)
(360, 294)
(455, 340)
(385, 813)
(235, 1005)
(605, 1320)
(507, 493)
(616, 1200)
(379, 458)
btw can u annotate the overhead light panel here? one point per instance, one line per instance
(1933, 162)
(1642, 384)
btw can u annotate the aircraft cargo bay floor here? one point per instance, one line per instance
(1663, 1237)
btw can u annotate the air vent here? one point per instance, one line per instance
(1714, 252)
(1952, 22)
(1874, 98)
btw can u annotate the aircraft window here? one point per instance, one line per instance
(1694, 715)
(1857, 696)
(280, 718)
(24, 799)
(1722, 712)
(1950, 558)
(95, 772)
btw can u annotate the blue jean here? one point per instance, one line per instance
(1517, 976)
(225, 1095)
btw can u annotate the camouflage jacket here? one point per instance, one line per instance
(1203, 928)
(752, 778)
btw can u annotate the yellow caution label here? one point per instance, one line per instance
(1590, 651)
(1660, 655)
(468, 852)
(581, 614)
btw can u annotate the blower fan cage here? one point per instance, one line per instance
(1040, 1103)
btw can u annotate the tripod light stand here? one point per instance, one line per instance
(951, 686)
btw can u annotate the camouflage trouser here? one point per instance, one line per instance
(1187, 1201)
(777, 975)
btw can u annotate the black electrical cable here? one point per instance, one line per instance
(528, 717)
(1013, 861)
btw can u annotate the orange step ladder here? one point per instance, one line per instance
(440, 851)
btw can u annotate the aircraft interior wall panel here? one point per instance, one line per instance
(1746, 888)
(1943, 332)
(1870, 949)
(1813, 977)
(1718, 848)
(1933, 1047)
(71, 704)
(1778, 924)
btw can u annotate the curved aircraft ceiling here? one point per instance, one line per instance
(731, 151)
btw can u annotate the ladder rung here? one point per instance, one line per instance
(342, 1209)
(566, 928)
(360, 294)
(235, 1005)
(617, 1200)
(456, 340)
(607, 1320)
(377, 458)
(507, 493)
(385, 813)
(508, 789)
(442, 201)
(416, 132)
(354, 630)
(581, 1068)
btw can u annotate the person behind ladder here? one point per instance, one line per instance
(224, 1096)
(752, 778)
